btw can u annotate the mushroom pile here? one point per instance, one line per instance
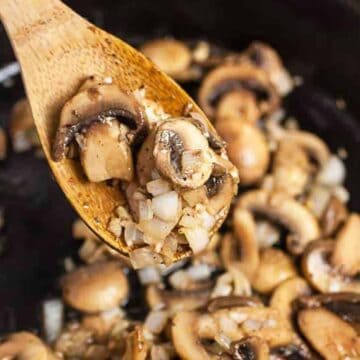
(174, 172)
(278, 280)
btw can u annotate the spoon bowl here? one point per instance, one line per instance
(57, 50)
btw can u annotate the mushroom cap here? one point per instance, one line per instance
(105, 153)
(239, 105)
(250, 347)
(286, 293)
(230, 77)
(97, 104)
(177, 300)
(287, 211)
(25, 346)
(332, 337)
(275, 266)
(182, 153)
(241, 249)
(267, 59)
(96, 287)
(247, 149)
(320, 272)
(171, 56)
(346, 253)
(346, 305)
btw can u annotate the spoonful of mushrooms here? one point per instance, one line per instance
(132, 152)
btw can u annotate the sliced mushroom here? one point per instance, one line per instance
(182, 153)
(98, 104)
(22, 127)
(229, 77)
(170, 55)
(332, 337)
(239, 105)
(275, 266)
(321, 274)
(176, 300)
(247, 149)
(226, 326)
(315, 147)
(346, 305)
(266, 58)
(286, 293)
(334, 214)
(250, 348)
(346, 253)
(287, 211)
(25, 346)
(291, 168)
(104, 151)
(226, 302)
(95, 288)
(137, 347)
(240, 250)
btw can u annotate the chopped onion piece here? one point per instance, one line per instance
(144, 256)
(156, 321)
(115, 227)
(132, 235)
(198, 238)
(149, 275)
(145, 210)
(167, 206)
(122, 213)
(266, 234)
(199, 272)
(333, 172)
(156, 229)
(53, 319)
(158, 187)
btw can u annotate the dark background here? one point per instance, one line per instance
(318, 39)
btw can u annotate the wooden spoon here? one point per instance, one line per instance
(57, 49)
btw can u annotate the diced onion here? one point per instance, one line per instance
(149, 275)
(199, 272)
(132, 235)
(198, 238)
(145, 210)
(333, 173)
(158, 187)
(115, 227)
(53, 318)
(156, 229)
(144, 256)
(166, 206)
(156, 321)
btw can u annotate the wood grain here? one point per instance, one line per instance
(57, 49)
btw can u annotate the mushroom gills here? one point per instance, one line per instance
(104, 151)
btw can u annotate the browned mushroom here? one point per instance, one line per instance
(104, 151)
(332, 337)
(346, 253)
(170, 55)
(251, 347)
(287, 211)
(321, 274)
(230, 77)
(177, 300)
(267, 59)
(137, 347)
(226, 326)
(239, 105)
(240, 249)
(25, 346)
(101, 103)
(182, 153)
(95, 288)
(291, 168)
(346, 305)
(286, 293)
(247, 149)
(275, 266)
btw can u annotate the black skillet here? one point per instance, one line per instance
(319, 40)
